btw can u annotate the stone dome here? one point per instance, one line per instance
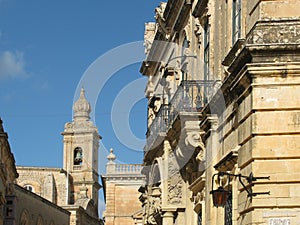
(82, 107)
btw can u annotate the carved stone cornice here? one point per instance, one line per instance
(279, 31)
(200, 8)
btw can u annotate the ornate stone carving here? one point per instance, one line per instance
(198, 31)
(193, 139)
(199, 197)
(154, 205)
(174, 182)
(150, 29)
(277, 32)
(201, 155)
(159, 16)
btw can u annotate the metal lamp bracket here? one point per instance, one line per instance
(250, 180)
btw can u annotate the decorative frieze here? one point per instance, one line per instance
(275, 32)
(174, 182)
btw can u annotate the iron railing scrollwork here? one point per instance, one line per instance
(190, 96)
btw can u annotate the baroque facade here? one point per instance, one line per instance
(75, 186)
(223, 113)
(120, 185)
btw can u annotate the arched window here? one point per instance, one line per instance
(29, 187)
(78, 156)
(40, 221)
(24, 219)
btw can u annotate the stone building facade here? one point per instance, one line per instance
(223, 113)
(75, 186)
(31, 208)
(8, 175)
(18, 205)
(120, 185)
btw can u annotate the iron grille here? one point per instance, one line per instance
(200, 218)
(228, 211)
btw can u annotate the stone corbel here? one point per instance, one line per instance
(198, 32)
(193, 139)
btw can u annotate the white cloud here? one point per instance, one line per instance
(12, 65)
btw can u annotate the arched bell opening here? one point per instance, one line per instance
(78, 156)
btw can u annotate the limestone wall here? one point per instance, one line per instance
(36, 210)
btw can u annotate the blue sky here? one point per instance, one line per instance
(46, 48)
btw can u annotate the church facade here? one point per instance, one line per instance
(75, 186)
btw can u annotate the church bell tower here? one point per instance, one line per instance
(80, 159)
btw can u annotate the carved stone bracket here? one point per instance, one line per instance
(198, 32)
(193, 139)
(190, 141)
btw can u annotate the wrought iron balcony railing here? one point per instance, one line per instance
(158, 127)
(190, 96)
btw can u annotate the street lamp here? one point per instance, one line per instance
(221, 195)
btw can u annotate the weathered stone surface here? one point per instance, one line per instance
(256, 109)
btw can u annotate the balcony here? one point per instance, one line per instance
(157, 130)
(190, 96)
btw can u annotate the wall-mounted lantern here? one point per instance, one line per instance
(221, 195)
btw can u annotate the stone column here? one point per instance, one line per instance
(211, 213)
(168, 218)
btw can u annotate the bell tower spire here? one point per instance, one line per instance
(81, 146)
(82, 107)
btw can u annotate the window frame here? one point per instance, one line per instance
(236, 20)
(206, 50)
(29, 187)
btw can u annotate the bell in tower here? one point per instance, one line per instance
(78, 156)
(81, 146)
